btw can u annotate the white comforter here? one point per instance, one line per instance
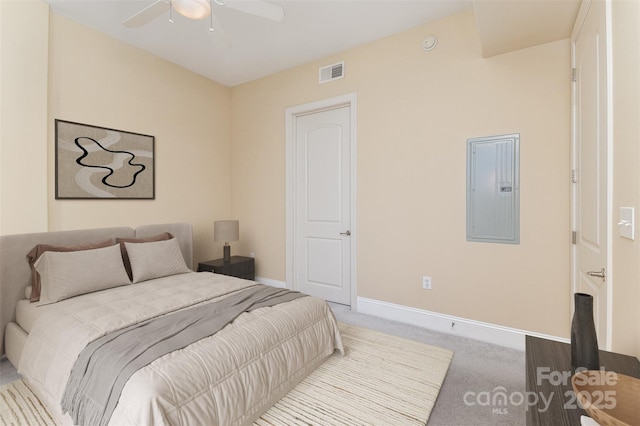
(227, 379)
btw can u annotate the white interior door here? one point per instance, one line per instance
(590, 157)
(322, 239)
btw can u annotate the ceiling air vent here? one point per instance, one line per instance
(332, 72)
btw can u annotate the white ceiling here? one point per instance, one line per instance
(253, 47)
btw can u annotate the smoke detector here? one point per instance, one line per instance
(430, 42)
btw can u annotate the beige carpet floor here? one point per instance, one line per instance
(382, 380)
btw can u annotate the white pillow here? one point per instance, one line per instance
(68, 274)
(155, 259)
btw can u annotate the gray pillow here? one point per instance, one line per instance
(155, 259)
(38, 250)
(125, 256)
(68, 274)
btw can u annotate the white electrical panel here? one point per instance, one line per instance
(493, 189)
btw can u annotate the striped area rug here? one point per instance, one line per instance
(382, 380)
(19, 406)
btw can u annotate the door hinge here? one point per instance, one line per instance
(574, 177)
(573, 75)
(574, 237)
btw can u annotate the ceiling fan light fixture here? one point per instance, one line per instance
(193, 9)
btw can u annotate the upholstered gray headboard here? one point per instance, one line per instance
(15, 273)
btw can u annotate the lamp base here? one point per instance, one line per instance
(226, 253)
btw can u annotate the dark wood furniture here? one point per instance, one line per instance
(237, 266)
(549, 378)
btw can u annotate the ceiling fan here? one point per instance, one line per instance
(199, 9)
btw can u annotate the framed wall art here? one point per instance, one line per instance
(100, 163)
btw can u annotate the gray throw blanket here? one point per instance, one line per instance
(104, 366)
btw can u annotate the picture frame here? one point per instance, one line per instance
(94, 162)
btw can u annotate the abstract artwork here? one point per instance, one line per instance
(95, 162)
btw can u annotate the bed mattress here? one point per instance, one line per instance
(229, 378)
(27, 313)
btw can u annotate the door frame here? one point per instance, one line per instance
(291, 114)
(582, 14)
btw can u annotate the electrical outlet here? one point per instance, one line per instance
(426, 282)
(252, 254)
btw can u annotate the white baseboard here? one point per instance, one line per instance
(272, 283)
(443, 323)
(491, 333)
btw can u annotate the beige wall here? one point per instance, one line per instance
(98, 80)
(24, 29)
(626, 175)
(415, 111)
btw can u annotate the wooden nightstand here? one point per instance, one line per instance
(238, 266)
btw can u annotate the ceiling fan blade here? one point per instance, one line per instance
(259, 8)
(147, 14)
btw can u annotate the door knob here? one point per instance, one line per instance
(600, 274)
(348, 233)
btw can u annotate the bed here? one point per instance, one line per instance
(229, 378)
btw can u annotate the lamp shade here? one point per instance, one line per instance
(194, 9)
(225, 231)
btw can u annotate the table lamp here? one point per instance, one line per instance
(225, 231)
